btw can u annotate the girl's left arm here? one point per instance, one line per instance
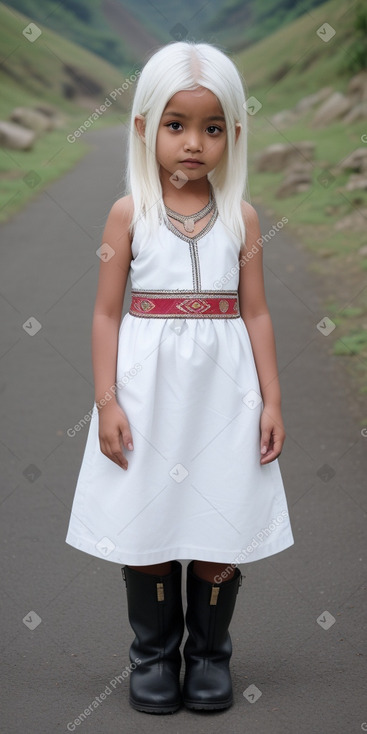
(255, 313)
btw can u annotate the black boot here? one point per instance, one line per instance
(208, 648)
(156, 616)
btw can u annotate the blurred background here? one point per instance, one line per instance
(70, 66)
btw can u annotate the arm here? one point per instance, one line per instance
(255, 314)
(113, 274)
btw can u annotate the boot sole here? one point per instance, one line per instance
(152, 709)
(198, 706)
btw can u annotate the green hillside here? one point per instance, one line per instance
(110, 27)
(280, 71)
(54, 71)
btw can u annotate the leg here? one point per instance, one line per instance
(214, 571)
(208, 648)
(158, 569)
(156, 616)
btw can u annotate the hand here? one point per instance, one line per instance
(272, 434)
(114, 433)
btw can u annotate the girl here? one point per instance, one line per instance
(181, 457)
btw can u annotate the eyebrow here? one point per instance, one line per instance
(171, 113)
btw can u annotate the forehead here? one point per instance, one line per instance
(200, 101)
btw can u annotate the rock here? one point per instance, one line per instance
(298, 179)
(356, 161)
(359, 112)
(284, 118)
(357, 181)
(312, 99)
(335, 107)
(32, 119)
(16, 136)
(279, 156)
(52, 113)
(355, 221)
(357, 87)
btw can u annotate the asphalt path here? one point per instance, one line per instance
(299, 627)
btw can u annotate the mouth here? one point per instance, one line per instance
(193, 161)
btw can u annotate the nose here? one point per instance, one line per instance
(193, 141)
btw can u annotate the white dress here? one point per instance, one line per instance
(194, 487)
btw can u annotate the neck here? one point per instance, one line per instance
(199, 189)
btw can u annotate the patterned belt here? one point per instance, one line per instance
(185, 304)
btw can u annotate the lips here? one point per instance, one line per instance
(191, 160)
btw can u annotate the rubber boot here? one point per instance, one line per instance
(156, 616)
(208, 648)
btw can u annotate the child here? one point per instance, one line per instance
(181, 457)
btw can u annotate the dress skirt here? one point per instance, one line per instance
(194, 487)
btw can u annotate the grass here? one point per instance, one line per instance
(32, 73)
(279, 71)
(308, 64)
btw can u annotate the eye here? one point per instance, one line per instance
(174, 123)
(214, 128)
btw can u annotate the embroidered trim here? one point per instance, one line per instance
(184, 304)
(200, 234)
(192, 241)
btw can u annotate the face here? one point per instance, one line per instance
(193, 127)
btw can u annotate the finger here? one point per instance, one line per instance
(265, 441)
(273, 453)
(112, 450)
(127, 438)
(118, 456)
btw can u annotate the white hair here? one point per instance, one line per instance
(176, 67)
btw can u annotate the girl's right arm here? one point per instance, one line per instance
(114, 428)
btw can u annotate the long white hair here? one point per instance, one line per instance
(176, 67)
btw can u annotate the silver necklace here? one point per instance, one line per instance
(190, 220)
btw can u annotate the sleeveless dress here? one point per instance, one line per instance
(194, 487)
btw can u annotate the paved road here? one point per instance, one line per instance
(311, 675)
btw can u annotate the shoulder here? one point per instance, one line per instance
(120, 217)
(252, 225)
(249, 213)
(123, 208)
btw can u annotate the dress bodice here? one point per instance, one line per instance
(169, 260)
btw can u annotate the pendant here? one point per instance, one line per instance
(189, 224)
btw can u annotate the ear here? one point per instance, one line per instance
(238, 129)
(140, 126)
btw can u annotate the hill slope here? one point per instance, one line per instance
(123, 31)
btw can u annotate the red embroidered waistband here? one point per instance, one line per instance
(185, 304)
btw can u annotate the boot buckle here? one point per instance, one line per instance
(160, 592)
(214, 596)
